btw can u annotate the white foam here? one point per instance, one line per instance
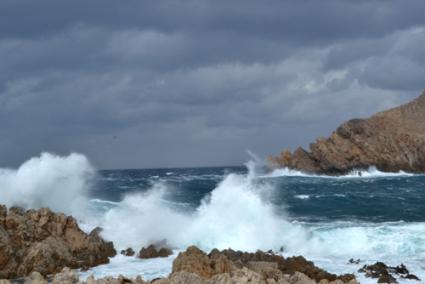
(372, 172)
(60, 183)
(302, 196)
(236, 214)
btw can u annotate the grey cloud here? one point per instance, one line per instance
(182, 83)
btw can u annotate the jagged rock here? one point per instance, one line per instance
(378, 270)
(383, 272)
(128, 252)
(267, 267)
(35, 278)
(69, 276)
(152, 252)
(195, 261)
(66, 276)
(392, 141)
(43, 241)
(243, 275)
(286, 266)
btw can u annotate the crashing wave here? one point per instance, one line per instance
(372, 172)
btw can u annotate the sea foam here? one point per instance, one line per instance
(371, 172)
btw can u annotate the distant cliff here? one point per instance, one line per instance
(391, 140)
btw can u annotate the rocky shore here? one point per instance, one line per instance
(392, 141)
(219, 267)
(40, 246)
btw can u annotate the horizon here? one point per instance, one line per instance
(158, 85)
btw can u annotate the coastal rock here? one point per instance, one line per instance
(384, 273)
(43, 241)
(392, 141)
(289, 265)
(69, 276)
(378, 270)
(153, 252)
(128, 252)
(195, 261)
(227, 265)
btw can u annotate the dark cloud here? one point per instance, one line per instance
(181, 83)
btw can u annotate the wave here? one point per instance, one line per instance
(60, 183)
(372, 172)
(238, 213)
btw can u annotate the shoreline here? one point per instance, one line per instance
(46, 242)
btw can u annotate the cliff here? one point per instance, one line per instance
(392, 141)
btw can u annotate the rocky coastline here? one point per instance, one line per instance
(40, 246)
(391, 141)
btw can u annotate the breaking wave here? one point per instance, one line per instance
(238, 213)
(372, 172)
(60, 183)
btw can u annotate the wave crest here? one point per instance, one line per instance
(372, 172)
(60, 183)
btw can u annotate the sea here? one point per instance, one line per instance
(368, 215)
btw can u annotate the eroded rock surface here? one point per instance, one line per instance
(43, 241)
(392, 141)
(221, 266)
(153, 251)
(228, 267)
(385, 274)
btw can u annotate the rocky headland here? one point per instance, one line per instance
(392, 141)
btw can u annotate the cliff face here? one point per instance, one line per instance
(391, 140)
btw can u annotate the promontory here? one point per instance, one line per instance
(391, 141)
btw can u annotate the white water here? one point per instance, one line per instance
(372, 172)
(60, 183)
(236, 214)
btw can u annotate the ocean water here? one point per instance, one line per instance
(371, 216)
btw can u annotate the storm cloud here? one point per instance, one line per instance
(197, 83)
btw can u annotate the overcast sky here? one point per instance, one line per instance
(196, 83)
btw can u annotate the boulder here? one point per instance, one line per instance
(44, 241)
(384, 273)
(128, 252)
(153, 252)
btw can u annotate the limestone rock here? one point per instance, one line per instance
(153, 252)
(229, 266)
(43, 241)
(392, 141)
(193, 260)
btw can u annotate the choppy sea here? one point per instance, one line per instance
(369, 215)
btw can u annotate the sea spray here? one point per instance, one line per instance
(371, 172)
(236, 214)
(59, 183)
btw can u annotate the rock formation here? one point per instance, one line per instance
(392, 141)
(153, 251)
(128, 252)
(227, 267)
(385, 273)
(230, 266)
(43, 241)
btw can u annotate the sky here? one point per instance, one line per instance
(143, 84)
